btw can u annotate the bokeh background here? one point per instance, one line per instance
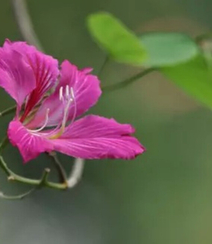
(162, 197)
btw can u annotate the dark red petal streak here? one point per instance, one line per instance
(44, 67)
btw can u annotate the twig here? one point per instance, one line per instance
(60, 169)
(4, 143)
(24, 23)
(7, 111)
(17, 197)
(76, 173)
(42, 182)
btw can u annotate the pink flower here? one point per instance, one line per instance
(48, 102)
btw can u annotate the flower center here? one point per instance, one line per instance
(67, 98)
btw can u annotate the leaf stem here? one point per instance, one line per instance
(7, 111)
(103, 66)
(17, 197)
(128, 81)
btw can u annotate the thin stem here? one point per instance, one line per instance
(44, 178)
(8, 111)
(128, 81)
(17, 197)
(42, 182)
(76, 172)
(58, 165)
(103, 65)
(4, 143)
(24, 23)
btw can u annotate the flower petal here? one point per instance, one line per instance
(94, 137)
(86, 89)
(30, 145)
(44, 67)
(16, 73)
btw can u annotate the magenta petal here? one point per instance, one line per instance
(86, 90)
(95, 137)
(16, 75)
(30, 145)
(86, 86)
(44, 67)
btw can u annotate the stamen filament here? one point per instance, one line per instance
(61, 93)
(44, 125)
(67, 92)
(75, 107)
(72, 93)
(65, 116)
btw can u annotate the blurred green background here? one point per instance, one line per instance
(162, 197)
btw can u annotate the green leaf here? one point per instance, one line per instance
(194, 77)
(167, 49)
(116, 39)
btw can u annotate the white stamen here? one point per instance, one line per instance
(75, 106)
(45, 123)
(71, 99)
(66, 110)
(61, 93)
(67, 91)
(72, 93)
(68, 98)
